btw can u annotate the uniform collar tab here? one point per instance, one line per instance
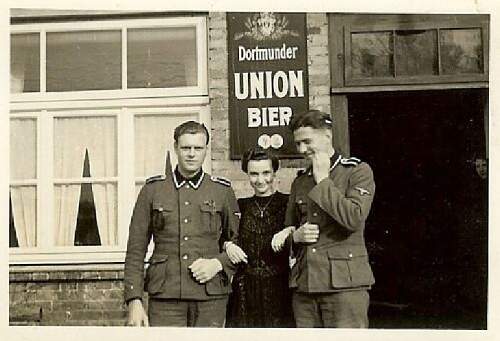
(334, 160)
(180, 180)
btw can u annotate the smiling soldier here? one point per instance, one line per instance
(189, 214)
(329, 203)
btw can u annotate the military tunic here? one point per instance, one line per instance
(339, 205)
(187, 220)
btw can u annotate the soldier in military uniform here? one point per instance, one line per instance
(189, 214)
(329, 203)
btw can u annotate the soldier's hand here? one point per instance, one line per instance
(320, 165)
(307, 233)
(235, 253)
(137, 317)
(280, 238)
(205, 269)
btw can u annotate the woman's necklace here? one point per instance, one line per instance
(263, 209)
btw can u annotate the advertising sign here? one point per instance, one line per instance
(268, 81)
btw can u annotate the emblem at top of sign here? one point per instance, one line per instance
(266, 26)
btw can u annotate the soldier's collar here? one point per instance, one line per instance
(180, 180)
(334, 160)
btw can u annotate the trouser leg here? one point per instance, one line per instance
(345, 309)
(210, 313)
(168, 312)
(306, 311)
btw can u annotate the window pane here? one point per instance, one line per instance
(416, 53)
(22, 149)
(25, 62)
(162, 57)
(74, 136)
(372, 54)
(85, 214)
(86, 232)
(12, 226)
(83, 60)
(78, 207)
(461, 51)
(23, 200)
(154, 135)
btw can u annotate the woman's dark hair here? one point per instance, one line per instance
(259, 154)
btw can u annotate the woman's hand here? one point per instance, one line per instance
(235, 253)
(280, 238)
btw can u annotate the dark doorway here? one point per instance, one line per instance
(427, 231)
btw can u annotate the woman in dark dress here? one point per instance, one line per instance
(260, 297)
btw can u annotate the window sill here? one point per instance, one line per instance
(64, 272)
(71, 256)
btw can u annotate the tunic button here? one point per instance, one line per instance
(300, 201)
(315, 214)
(185, 257)
(186, 237)
(350, 255)
(186, 220)
(160, 209)
(313, 250)
(186, 203)
(187, 186)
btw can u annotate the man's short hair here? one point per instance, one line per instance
(312, 118)
(190, 127)
(257, 154)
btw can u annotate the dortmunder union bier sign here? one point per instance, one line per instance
(267, 79)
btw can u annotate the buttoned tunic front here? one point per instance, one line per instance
(339, 204)
(187, 220)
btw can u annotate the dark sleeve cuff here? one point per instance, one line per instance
(228, 268)
(127, 300)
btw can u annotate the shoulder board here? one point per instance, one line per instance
(155, 178)
(221, 180)
(351, 161)
(301, 172)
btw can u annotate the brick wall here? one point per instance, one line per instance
(95, 296)
(71, 297)
(319, 97)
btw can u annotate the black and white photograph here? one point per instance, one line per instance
(242, 168)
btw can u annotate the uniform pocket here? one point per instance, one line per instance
(210, 216)
(156, 274)
(349, 267)
(161, 216)
(218, 285)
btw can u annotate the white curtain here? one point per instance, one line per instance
(24, 211)
(23, 167)
(154, 136)
(66, 210)
(72, 136)
(102, 156)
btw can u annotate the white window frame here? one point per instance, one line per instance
(122, 25)
(45, 107)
